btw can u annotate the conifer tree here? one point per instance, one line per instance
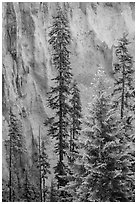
(78, 170)
(124, 90)
(58, 96)
(76, 117)
(27, 194)
(124, 97)
(30, 192)
(45, 166)
(75, 131)
(105, 173)
(16, 150)
(107, 161)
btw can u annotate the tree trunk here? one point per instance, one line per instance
(10, 173)
(44, 190)
(123, 92)
(40, 180)
(60, 123)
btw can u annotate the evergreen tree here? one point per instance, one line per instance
(105, 172)
(107, 163)
(75, 130)
(34, 169)
(78, 170)
(124, 98)
(58, 96)
(30, 192)
(74, 187)
(75, 120)
(45, 166)
(124, 88)
(16, 151)
(27, 189)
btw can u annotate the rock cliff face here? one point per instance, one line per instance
(27, 66)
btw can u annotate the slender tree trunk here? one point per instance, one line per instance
(70, 148)
(18, 178)
(60, 137)
(60, 125)
(123, 92)
(60, 141)
(51, 193)
(26, 187)
(72, 138)
(44, 193)
(73, 133)
(10, 173)
(40, 179)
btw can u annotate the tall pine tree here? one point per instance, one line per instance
(58, 96)
(124, 87)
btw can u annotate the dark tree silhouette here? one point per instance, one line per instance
(58, 96)
(124, 87)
